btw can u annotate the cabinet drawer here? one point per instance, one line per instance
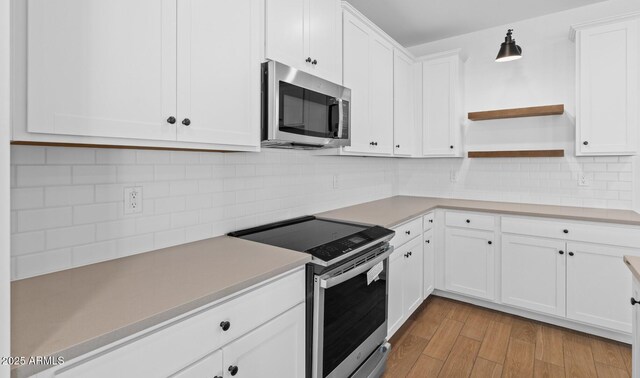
(406, 232)
(470, 220)
(567, 230)
(428, 221)
(178, 345)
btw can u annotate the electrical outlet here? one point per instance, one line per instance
(583, 180)
(335, 182)
(453, 176)
(133, 200)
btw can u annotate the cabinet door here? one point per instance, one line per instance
(356, 77)
(325, 39)
(286, 30)
(275, 349)
(469, 262)
(439, 107)
(607, 103)
(412, 277)
(428, 263)
(533, 273)
(102, 68)
(394, 296)
(219, 72)
(381, 96)
(635, 292)
(598, 284)
(403, 105)
(210, 366)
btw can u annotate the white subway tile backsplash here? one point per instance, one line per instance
(153, 224)
(42, 263)
(152, 157)
(94, 174)
(42, 175)
(27, 198)
(115, 156)
(72, 156)
(110, 192)
(70, 236)
(169, 238)
(68, 195)
(116, 229)
(101, 212)
(170, 205)
(27, 242)
(42, 219)
(135, 173)
(169, 172)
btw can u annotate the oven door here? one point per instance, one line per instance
(305, 109)
(350, 317)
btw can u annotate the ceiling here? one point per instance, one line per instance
(413, 22)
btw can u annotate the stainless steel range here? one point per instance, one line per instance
(346, 292)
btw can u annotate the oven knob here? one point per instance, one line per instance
(225, 325)
(233, 370)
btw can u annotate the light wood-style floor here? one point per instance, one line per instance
(446, 338)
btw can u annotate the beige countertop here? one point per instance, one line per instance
(633, 263)
(72, 312)
(393, 211)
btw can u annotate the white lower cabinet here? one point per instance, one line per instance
(469, 262)
(533, 273)
(275, 349)
(428, 258)
(597, 285)
(635, 291)
(259, 333)
(405, 283)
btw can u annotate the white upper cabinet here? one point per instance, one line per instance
(368, 72)
(218, 71)
(607, 79)
(442, 104)
(404, 132)
(149, 73)
(102, 68)
(306, 34)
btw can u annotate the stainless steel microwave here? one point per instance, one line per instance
(302, 111)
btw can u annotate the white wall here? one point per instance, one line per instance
(67, 203)
(4, 186)
(545, 75)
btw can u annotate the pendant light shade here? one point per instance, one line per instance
(508, 49)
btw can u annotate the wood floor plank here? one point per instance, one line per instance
(606, 371)
(404, 356)
(495, 342)
(549, 343)
(436, 310)
(524, 329)
(459, 312)
(442, 341)
(425, 327)
(461, 358)
(425, 366)
(476, 324)
(486, 369)
(607, 352)
(625, 351)
(543, 369)
(519, 360)
(578, 358)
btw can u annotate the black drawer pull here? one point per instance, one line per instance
(561, 252)
(427, 241)
(571, 253)
(633, 301)
(233, 370)
(225, 325)
(489, 242)
(407, 232)
(565, 231)
(468, 220)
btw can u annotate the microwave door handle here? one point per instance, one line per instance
(340, 118)
(336, 280)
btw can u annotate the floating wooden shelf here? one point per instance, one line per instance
(534, 111)
(521, 153)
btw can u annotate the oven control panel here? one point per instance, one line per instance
(339, 247)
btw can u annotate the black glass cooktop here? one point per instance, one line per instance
(323, 238)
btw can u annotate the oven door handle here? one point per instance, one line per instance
(340, 118)
(327, 283)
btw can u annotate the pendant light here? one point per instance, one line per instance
(508, 49)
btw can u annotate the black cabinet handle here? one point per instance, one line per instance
(225, 325)
(451, 147)
(314, 62)
(565, 231)
(406, 255)
(375, 143)
(633, 301)
(408, 232)
(561, 252)
(427, 241)
(585, 143)
(489, 242)
(217, 376)
(430, 220)
(397, 146)
(570, 253)
(410, 253)
(186, 121)
(468, 220)
(171, 120)
(308, 60)
(233, 370)
(371, 143)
